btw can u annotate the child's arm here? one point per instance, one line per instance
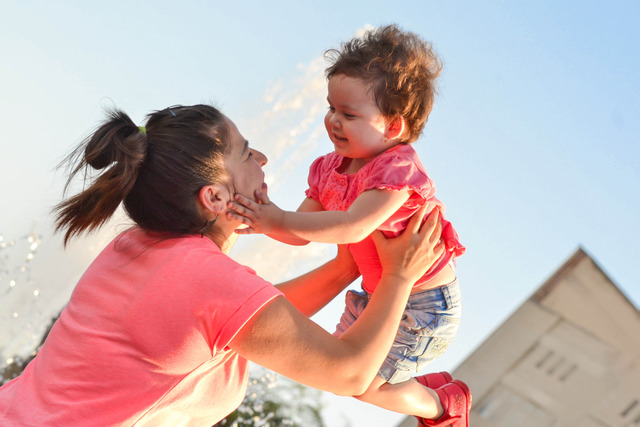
(364, 215)
(285, 236)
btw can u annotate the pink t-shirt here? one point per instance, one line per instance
(397, 168)
(143, 340)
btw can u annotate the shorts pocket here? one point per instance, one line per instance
(426, 337)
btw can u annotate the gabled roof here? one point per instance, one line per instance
(578, 256)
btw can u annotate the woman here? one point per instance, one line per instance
(159, 329)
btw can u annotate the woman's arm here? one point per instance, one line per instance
(365, 214)
(312, 291)
(282, 339)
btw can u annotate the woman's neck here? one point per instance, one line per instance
(223, 235)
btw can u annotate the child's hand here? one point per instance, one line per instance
(260, 216)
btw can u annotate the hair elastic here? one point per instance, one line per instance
(207, 225)
(142, 129)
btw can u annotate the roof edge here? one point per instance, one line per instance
(547, 287)
(580, 254)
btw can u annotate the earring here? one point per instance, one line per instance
(208, 224)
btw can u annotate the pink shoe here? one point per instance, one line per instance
(434, 380)
(456, 401)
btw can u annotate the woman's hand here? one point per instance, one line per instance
(345, 263)
(412, 253)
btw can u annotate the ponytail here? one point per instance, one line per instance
(155, 171)
(117, 148)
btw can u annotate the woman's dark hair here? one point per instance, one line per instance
(401, 67)
(156, 171)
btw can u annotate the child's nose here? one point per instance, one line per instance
(333, 119)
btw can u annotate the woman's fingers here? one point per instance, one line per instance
(433, 225)
(378, 237)
(416, 219)
(416, 249)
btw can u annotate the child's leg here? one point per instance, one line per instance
(430, 322)
(408, 397)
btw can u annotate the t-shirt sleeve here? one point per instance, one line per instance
(398, 173)
(251, 305)
(236, 296)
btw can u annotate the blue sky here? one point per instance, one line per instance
(533, 142)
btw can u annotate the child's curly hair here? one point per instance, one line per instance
(401, 68)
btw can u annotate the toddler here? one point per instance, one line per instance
(381, 89)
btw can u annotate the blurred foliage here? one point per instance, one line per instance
(273, 401)
(16, 364)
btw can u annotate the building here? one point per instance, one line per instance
(569, 356)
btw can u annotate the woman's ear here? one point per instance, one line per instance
(213, 198)
(395, 128)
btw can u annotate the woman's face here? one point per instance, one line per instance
(244, 164)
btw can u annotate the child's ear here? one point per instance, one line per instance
(395, 128)
(213, 198)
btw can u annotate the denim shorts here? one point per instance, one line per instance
(429, 324)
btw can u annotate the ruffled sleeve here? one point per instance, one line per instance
(398, 172)
(318, 172)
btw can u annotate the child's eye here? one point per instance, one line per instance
(349, 116)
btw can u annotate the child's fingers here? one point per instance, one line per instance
(241, 212)
(247, 230)
(245, 201)
(261, 196)
(238, 214)
(235, 207)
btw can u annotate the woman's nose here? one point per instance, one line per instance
(260, 157)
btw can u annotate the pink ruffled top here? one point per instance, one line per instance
(397, 168)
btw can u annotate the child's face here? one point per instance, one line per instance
(354, 122)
